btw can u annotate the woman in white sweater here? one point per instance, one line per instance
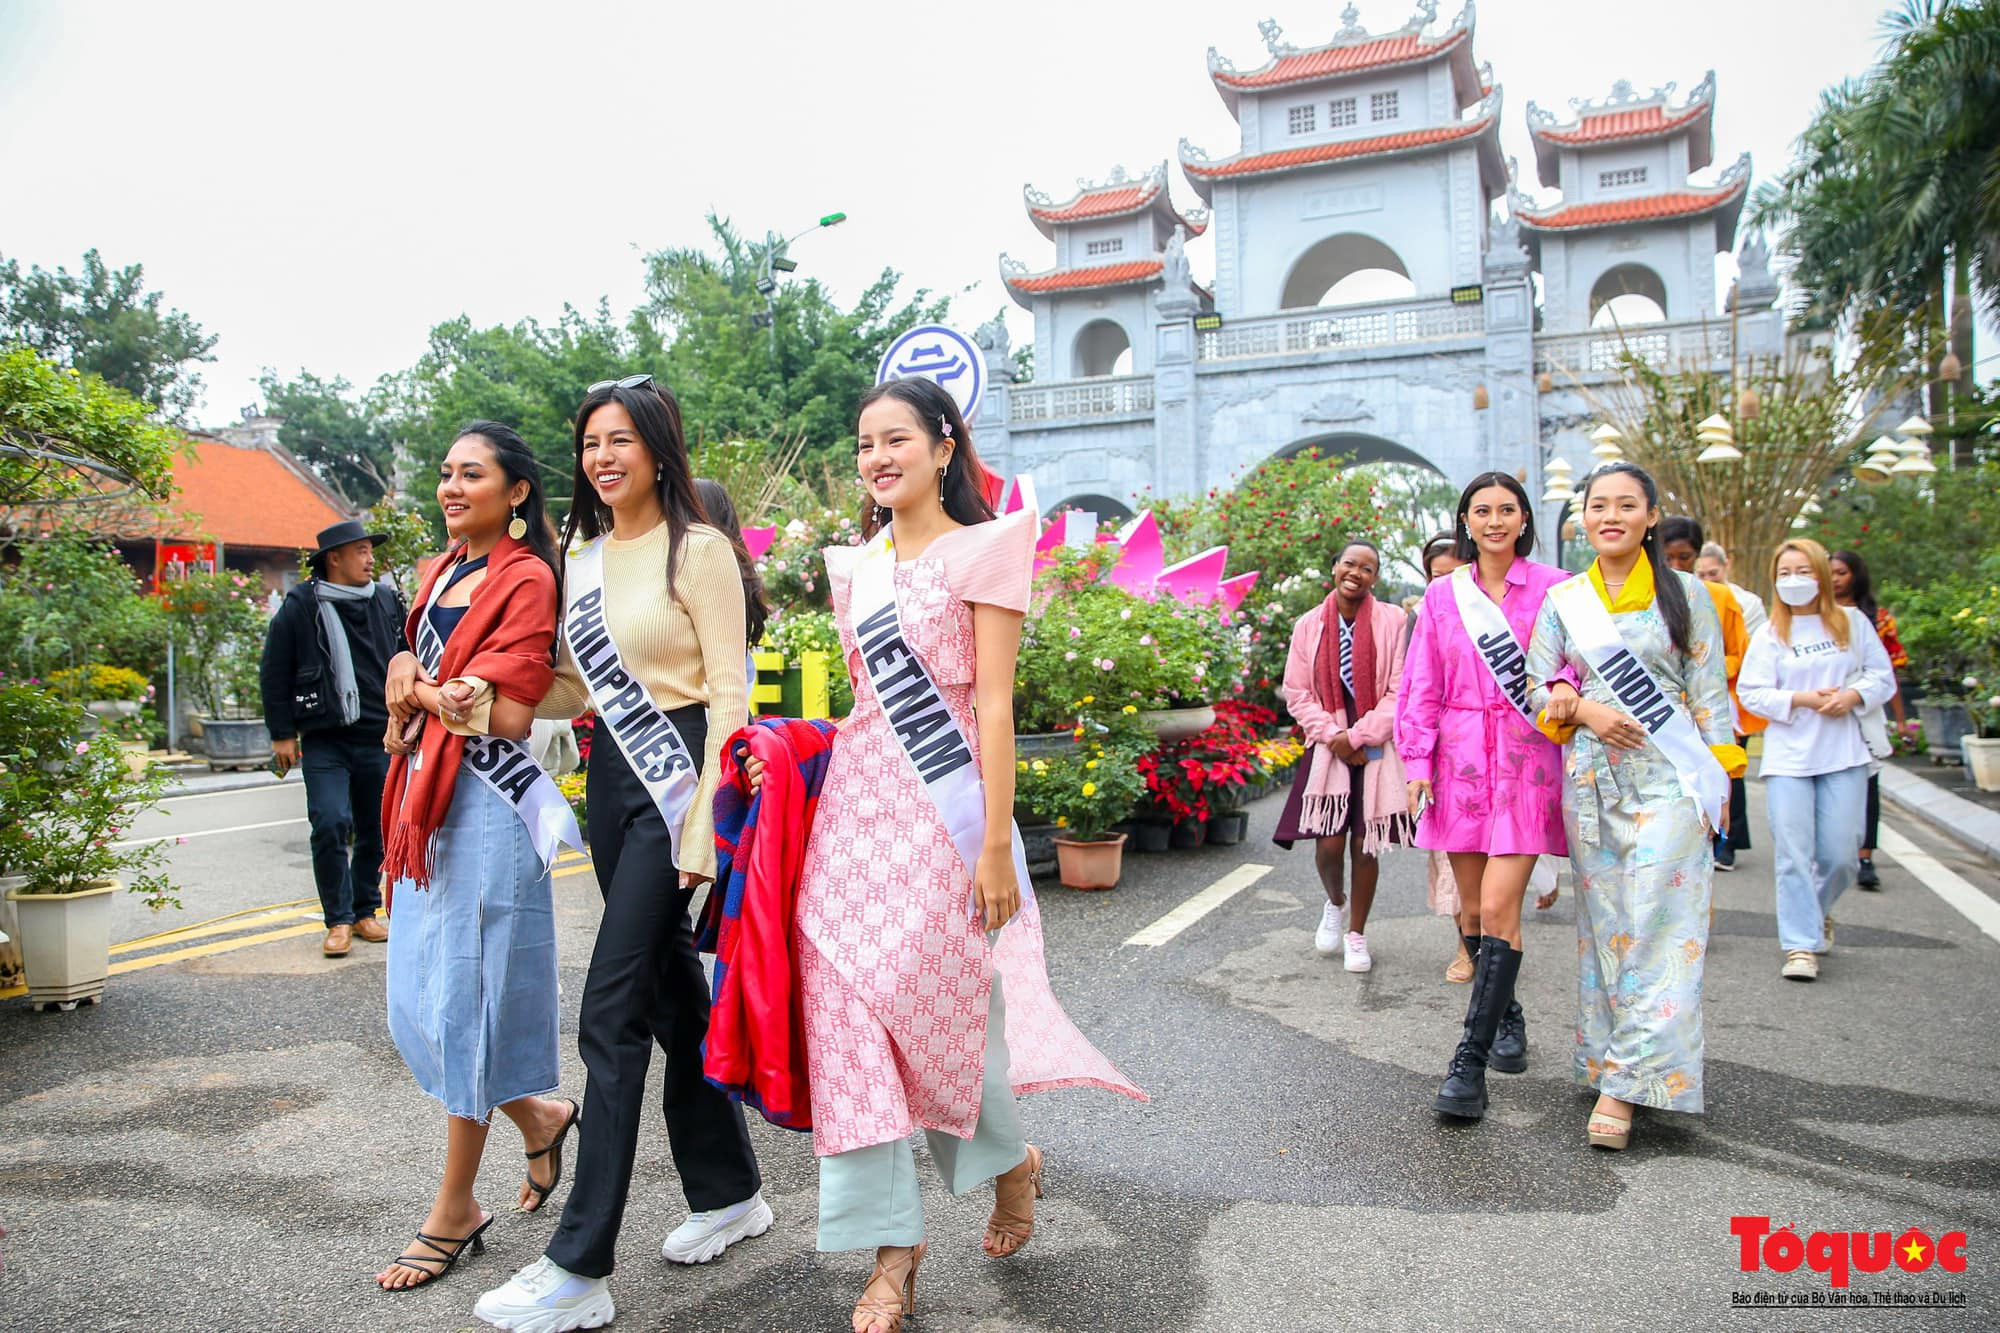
(1810, 670)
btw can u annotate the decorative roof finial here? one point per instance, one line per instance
(1621, 91)
(1274, 37)
(1350, 23)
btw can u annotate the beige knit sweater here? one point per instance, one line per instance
(688, 648)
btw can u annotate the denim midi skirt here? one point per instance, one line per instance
(472, 961)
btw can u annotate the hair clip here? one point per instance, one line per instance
(946, 423)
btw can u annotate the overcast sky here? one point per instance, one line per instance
(320, 183)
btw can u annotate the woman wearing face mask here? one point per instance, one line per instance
(1441, 890)
(1341, 679)
(919, 1009)
(653, 641)
(1809, 670)
(1650, 750)
(1853, 587)
(472, 962)
(1482, 781)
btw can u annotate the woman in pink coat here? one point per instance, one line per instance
(1341, 677)
(1484, 783)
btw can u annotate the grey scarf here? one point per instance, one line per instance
(338, 655)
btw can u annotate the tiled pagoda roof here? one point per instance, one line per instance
(1726, 197)
(1354, 51)
(1624, 118)
(1079, 279)
(1203, 172)
(1117, 197)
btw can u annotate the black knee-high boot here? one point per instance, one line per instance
(1510, 1040)
(1464, 1091)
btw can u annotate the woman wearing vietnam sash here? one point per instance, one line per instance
(1650, 749)
(915, 1015)
(472, 961)
(1484, 784)
(653, 638)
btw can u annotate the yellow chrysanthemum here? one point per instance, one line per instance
(1090, 789)
(1131, 708)
(1092, 763)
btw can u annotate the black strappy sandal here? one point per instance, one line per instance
(541, 1192)
(420, 1262)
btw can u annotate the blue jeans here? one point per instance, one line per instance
(344, 805)
(1816, 834)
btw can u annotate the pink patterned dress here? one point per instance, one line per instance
(1496, 782)
(894, 969)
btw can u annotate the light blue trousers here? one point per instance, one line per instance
(868, 1198)
(1816, 830)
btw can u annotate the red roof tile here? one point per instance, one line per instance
(1075, 279)
(1099, 203)
(1287, 158)
(248, 497)
(1646, 208)
(1404, 49)
(1605, 126)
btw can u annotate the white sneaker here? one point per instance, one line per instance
(1332, 924)
(705, 1235)
(1357, 952)
(545, 1297)
(1800, 965)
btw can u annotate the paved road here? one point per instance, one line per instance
(231, 1142)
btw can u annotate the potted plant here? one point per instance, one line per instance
(66, 801)
(217, 622)
(1084, 794)
(1981, 746)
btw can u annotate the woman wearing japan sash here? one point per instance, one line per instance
(1650, 747)
(653, 640)
(472, 960)
(916, 1014)
(1484, 784)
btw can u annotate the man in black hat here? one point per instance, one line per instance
(326, 663)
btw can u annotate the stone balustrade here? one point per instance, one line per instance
(1061, 400)
(1595, 355)
(1332, 329)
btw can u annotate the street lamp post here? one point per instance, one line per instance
(776, 261)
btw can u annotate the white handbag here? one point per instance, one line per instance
(1874, 725)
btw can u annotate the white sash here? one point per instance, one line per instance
(1596, 636)
(931, 738)
(1493, 639)
(504, 765)
(646, 736)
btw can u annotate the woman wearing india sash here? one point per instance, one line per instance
(653, 642)
(1484, 784)
(920, 961)
(472, 962)
(1650, 747)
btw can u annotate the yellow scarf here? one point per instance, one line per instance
(1636, 595)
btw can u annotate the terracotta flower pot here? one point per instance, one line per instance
(1090, 865)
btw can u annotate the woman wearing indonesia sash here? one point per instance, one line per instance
(472, 960)
(1649, 742)
(653, 641)
(1484, 784)
(920, 1010)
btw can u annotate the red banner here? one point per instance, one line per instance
(176, 560)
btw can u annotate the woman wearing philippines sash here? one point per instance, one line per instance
(916, 1014)
(653, 641)
(1646, 787)
(472, 960)
(1484, 784)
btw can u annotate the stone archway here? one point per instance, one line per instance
(1627, 294)
(1360, 449)
(1102, 348)
(1346, 268)
(1103, 506)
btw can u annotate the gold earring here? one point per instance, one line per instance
(518, 528)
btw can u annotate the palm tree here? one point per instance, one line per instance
(1895, 191)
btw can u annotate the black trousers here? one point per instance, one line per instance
(344, 776)
(1874, 815)
(645, 985)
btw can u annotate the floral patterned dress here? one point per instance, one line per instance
(894, 968)
(1643, 854)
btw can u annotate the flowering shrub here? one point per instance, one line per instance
(94, 680)
(72, 600)
(799, 632)
(1085, 790)
(1095, 651)
(64, 802)
(1951, 630)
(1269, 614)
(572, 786)
(794, 571)
(1209, 772)
(218, 626)
(1285, 516)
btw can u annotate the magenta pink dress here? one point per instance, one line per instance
(1496, 782)
(894, 970)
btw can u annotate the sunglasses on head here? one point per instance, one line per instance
(629, 382)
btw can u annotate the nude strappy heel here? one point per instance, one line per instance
(1010, 1222)
(885, 1314)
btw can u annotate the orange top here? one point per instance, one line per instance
(1735, 643)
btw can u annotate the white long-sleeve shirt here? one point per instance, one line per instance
(1800, 742)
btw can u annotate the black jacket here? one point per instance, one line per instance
(295, 672)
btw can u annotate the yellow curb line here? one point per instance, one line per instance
(213, 947)
(572, 870)
(217, 928)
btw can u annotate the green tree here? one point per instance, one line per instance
(802, 375)
(1894, 195)
(343, 438)
(103, 322)
(73, 447)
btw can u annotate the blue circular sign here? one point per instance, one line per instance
(941, 355)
